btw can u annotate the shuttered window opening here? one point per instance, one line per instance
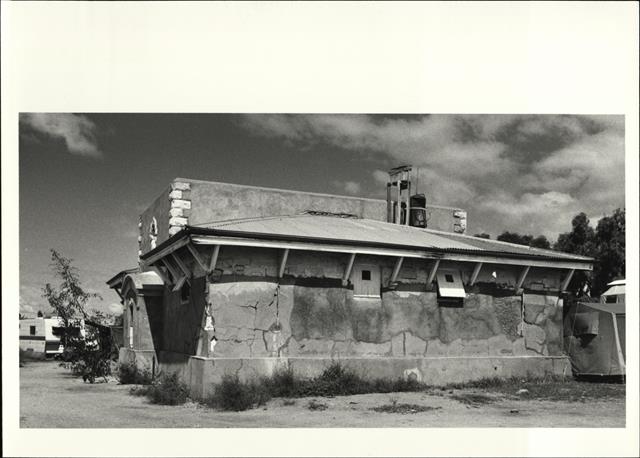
(366, 281)
(451, 291)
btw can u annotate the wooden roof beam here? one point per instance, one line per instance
(347, 270)
(476, 272)
(567, 279)
(283, 262)
(432, 272)
(522, 277)
(396, 270)
(196, 255)
(214, 258)
(172, 270)
(408, 253)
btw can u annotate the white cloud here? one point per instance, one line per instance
(511, 172)
(115, 308)
(349, 187)
(77, 131)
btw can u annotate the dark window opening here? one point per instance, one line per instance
(185, 292)
(366, 275)
(57, 331)
(32, 330)
(452, 302)
(449, 278)
(610, 299)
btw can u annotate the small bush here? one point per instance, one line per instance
(139, 390)
(233, 395)
(394, 407)
(86, 358)
(315, 405)
(167, 390)
(474, 399)
(283, 383)
(26, 356)
(129, 374)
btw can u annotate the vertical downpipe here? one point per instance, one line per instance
(389, 209)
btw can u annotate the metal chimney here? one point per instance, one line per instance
(398, 195)
(402, 207)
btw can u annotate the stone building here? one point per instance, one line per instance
(237, 279)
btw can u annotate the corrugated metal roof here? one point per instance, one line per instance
(350, 229)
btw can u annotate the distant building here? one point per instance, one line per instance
(41, 336)
(240, 280)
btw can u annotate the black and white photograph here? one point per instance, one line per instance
(229, 243)
(322, 270)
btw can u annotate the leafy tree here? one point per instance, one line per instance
(540, 242)
(610, 250)
(514, 237)
(527, 240)
(581, 239)
(606, 244)
(85, 352)
(484, 235)
(68, 300)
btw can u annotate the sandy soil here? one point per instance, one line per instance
(51, 398)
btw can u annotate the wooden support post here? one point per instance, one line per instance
(389, 207)
(396, 270)
(214, 258)
(347, 271)
(161, 274)
(523, 275)
(407, 211)
(194, 252)
(432, 273)
(181, 264)
(179, 283)
(567, 279)
(283, 262)
(174, 273)
(476, 272)
(398, 209)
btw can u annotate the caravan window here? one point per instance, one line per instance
(32, 330)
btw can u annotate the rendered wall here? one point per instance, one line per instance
(314, 315)
(196, 202)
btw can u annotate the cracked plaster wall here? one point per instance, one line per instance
(326, 320)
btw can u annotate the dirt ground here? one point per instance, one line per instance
(51, 398)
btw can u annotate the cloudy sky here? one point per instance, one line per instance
(85, 178)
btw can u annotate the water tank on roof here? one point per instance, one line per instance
(418, 210)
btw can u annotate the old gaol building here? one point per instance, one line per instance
(240, 279)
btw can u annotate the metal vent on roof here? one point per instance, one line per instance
(326, 213)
